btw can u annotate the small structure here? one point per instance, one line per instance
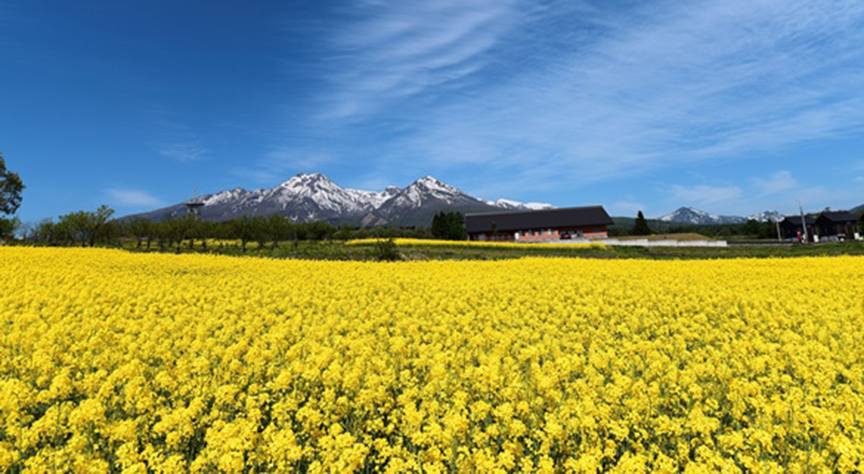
(589, 222)
(194, 207)
(793, 230)
(837, 225)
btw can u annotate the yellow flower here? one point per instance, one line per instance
(113, 361)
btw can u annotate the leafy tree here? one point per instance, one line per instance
(138, 229)
(449, 226)
(178, 229)
(387, 251)
(262, 231)
(46, 232)
(344, 233)
(86, 226)
(8, 228)
(438, 225)
(204, 230)
(243, 229)
(279, 228)
(11, 188)
(752, 228)
(317, 231)
(640, 227)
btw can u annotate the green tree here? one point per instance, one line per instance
(640, 227)
(87, 226)
(205, 230)
(138, 229)
(438, 225)
(243, 229)
(318, 231)
(178, 229)
(387, 251)
(752, 228)
(449, 226)
(8, 228)
(279, 228)
(11, 188)
(344, 233)
(262, 231)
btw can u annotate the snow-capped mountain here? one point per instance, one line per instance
(689, 215)
(515, 205)
(314, 197)
(767, 216)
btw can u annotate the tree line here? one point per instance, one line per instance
(11, 188)
(97, 228)
(750, 229)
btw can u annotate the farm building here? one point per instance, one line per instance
(792, 227)
(837, 224)
(589, 222)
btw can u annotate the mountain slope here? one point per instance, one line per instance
(766, 216)
(691, 216)
(314, 197)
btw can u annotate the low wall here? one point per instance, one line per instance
(665, 243)
(645, 242)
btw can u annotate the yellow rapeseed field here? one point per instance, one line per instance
(478, 243)
(113, 361)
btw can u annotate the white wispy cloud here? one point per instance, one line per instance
(776, 183)
(627, 208)
(574, 92)
(395, 50)
(132, 198)
(280, 163)
(779, 191)
(182, 151)
(704, 195)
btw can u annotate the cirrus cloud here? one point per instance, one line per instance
(132, 198)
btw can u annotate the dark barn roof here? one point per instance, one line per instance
(837, 217)
(550, 218)
(796, 221)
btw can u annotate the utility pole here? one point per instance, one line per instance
(803, 223)
(779, 238)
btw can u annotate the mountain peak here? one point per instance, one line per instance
(766, 216)
(429, 180)
(306, 180)
(434, 185)
(691, 215)
(311, 177)
(312, 196)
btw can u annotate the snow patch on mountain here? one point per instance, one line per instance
(516, 205)
(766, 216)
(689, 215)
(313, 196)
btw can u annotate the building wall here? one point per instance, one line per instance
(543, 235)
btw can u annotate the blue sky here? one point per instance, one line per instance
(730, 106)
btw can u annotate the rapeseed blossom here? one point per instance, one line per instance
(114, 361)
(479, 243)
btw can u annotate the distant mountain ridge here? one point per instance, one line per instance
(766, 216)
(692, 216)
(689, 215)
(309, 197)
